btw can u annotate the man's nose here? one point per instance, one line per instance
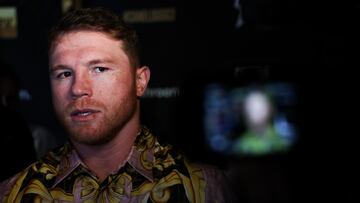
(81, 86)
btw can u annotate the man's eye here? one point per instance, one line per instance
(63, 75)
(100, 69)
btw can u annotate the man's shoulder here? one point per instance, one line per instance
(203, 182)
(216, 182)
(43, 171)
(15, 182)
(212, 174)
(168, 158)
(7, 185)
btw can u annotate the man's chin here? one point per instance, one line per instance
(90, 137)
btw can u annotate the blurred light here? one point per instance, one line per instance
(24, 95)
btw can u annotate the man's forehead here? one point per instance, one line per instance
(86, 41)
(84, 37)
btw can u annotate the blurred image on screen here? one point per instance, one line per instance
(252, 119)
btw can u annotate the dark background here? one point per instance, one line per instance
(313, 44)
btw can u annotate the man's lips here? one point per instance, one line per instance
(83, 114)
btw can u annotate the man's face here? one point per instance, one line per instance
(94, 86)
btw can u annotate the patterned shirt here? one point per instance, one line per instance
(152, 173)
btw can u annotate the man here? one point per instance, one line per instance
(96, 80)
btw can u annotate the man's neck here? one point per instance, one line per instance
(107, 158)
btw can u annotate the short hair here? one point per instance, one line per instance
(98, 20)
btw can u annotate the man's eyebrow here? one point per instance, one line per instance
(90, 63)
(58, 67)
(99, 61)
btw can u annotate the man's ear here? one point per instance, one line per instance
(142, 80)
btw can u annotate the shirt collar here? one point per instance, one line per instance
(68, 162)
(141, 157)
